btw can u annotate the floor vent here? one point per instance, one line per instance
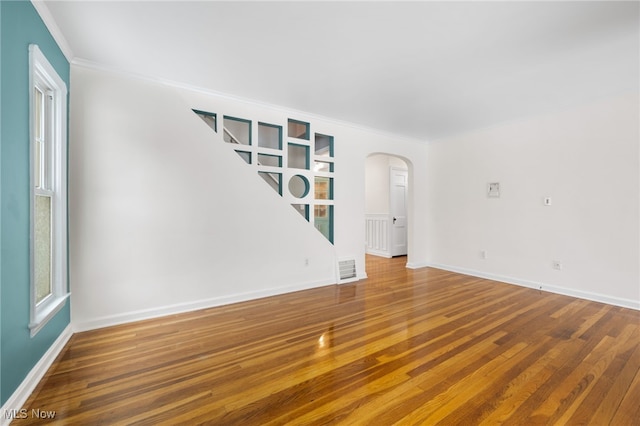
(347, 269)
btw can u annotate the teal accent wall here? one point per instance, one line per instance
(20, 25)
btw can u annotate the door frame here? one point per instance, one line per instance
(375, 221)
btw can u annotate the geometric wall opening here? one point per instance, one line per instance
(286, 164)
(270, 160)
(273, 179)
(269, 136)
(298, 156)
(323, 220)
(209, 118)
(323, 145)
(246, 156)
(237, 130)
(323, 188)
(297, 129)
(303, 209)
(299, 186)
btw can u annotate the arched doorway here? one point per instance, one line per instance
(387, 205)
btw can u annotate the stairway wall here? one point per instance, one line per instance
(165, 217)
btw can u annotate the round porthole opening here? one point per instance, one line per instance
(299, 186)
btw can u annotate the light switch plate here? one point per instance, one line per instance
(493, 189)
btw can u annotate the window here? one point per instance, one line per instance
(48, 147)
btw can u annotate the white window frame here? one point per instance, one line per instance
(42, 74)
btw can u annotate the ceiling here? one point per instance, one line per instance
(423, 70)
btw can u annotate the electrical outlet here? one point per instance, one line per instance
(557, 265)
(483, 254)
(306, 261)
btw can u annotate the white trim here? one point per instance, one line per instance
(417, 265)
(178, 308)
(358, 277)
(46, 16)
(379, 253)
(42, 72)
(83, 63)
(587, 295)
(28, 385)
(49, 311)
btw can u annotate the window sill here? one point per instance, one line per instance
(46, 313)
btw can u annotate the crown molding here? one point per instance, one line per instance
(227, 96)
(50, 23)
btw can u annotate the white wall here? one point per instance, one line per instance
(586, 159)
(164, 217)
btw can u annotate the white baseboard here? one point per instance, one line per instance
(379, 253)
(17, 400)
(358, 277)
(417, 265)
(595, 297)
(128, 317)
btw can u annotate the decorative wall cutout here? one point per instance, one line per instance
(269, 136)
(209, 118)
(237, 130)
(323, 145)
(303, 209)
(273, 179)
(297, 129)
(246, 156)
(289, 168)
(299, 186)
(270, 160)
(298, 156)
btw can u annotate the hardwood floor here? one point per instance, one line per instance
(402, 347)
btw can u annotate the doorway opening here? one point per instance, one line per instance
(387, 205)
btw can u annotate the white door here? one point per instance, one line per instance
(398, 208)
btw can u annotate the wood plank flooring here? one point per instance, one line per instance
(402, 347)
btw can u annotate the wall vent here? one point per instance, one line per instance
(347, 269)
